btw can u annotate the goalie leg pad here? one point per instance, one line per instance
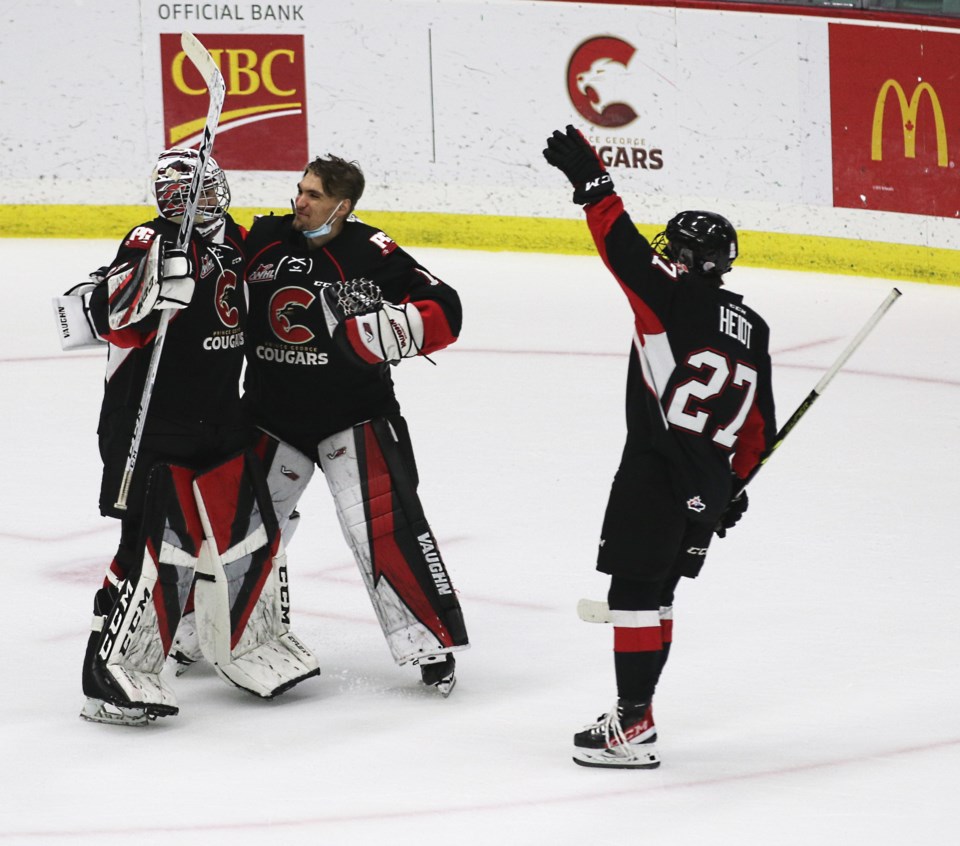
(134, 623)
(288, 473)
(241, 595)
(372, 477)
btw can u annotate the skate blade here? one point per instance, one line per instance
(641, 759)
(98, 711)
(446, 686)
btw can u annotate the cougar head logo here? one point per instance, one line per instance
(287, 306)
(226, 286)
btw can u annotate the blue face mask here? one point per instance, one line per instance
(323, 229)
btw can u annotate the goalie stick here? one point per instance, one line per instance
(597, 610)
(208, 69)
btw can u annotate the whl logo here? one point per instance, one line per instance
(598, 81)
(265, 99)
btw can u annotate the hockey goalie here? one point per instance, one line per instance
(200, 548)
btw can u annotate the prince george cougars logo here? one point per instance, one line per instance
(286, 305)
(226, 286)
(599, 83)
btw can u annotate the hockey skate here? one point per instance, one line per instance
(99, 711)
(625, 738)
(439, 671)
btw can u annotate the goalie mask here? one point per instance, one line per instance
(703, 242)
(171, 186)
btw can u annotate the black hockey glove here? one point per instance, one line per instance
(734, 511)
(571, 153)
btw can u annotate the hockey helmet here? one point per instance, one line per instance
(703, 242)
(171, 186)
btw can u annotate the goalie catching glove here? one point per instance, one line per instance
(163, 279)
(572, 154)
(368, 327)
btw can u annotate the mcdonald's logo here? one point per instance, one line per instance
(892, 98)
(909, 110)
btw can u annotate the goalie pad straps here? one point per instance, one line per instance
(241, 596)
(383, 522)
(135, 636)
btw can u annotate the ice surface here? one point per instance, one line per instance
(812, 695)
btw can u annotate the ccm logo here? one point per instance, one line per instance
(697, 550)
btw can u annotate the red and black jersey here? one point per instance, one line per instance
(699, 383)
(198, 379)
(299, 385)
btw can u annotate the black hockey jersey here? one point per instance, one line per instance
(699, 383)
(299, 385)
(198, 379)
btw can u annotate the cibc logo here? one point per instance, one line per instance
(598, 82)
(266, 100)
(909, 110)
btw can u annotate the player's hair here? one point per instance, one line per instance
(341, 179)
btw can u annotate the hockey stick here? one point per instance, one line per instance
(596, 610)
(204, 63)
(821, 386)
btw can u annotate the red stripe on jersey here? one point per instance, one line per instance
(601, 217)
(751, 443)
(646, 639)
(437, 333)
(343, 277)
(387, 558)
(260, 253)
(666, 630)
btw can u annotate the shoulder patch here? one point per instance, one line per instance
(383, 242)
(140, 238)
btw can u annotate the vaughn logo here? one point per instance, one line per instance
(598, 82)
(265, 99)
(432, 556)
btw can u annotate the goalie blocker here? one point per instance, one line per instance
(372, 475)
(220, 527)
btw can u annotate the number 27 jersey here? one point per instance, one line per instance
(699, 384)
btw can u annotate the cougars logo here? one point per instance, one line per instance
(597, 77)
(229, 314)
(286, 305)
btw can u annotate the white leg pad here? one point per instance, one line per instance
(407, 635)
(241, 597)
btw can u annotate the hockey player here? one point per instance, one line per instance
(700, 414)
(194, 421)
(334, 303)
